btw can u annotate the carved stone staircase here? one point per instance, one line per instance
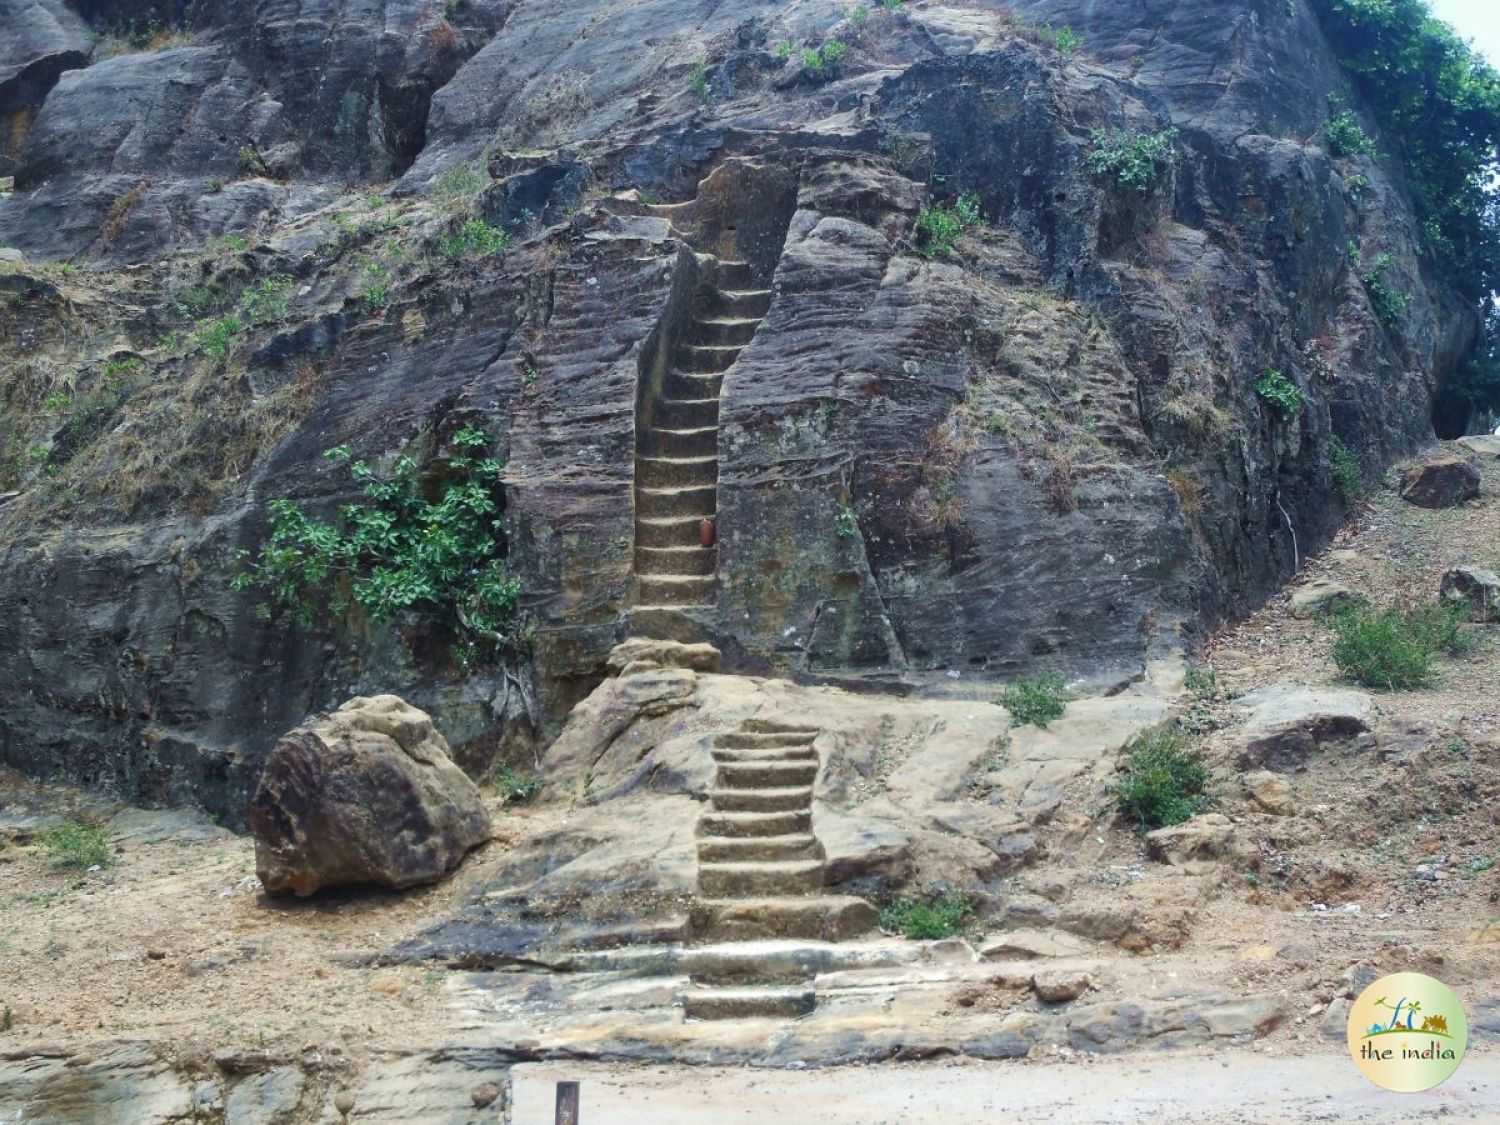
(677, 450)
(761, 876)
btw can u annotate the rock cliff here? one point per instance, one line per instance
(1042, 449)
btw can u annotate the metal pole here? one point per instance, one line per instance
(567, 1103)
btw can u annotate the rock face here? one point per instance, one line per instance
(1208, 836)
(40, 39)
(1040, 450)
(1441, 482)
(1476, 589)
(1484, 445)
(365, 795)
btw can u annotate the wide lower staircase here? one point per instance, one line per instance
(761, 878)
(677, 452)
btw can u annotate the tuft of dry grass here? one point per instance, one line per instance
(119, 214)
(1189, 490)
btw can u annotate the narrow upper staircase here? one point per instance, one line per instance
(677, 447)
(761, 875)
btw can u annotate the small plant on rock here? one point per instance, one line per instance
(1388, 302)
(1345, 137)
(937, 918)
(77, 846)
(699, 79)
(1134, 161)
(1276, 389)
(1348, 476)
(475, 239)
(825, 60)
(1164, 783)
(515, 787)
(846, 523)
(1036, 702)
(940, 226)
(1066, 40)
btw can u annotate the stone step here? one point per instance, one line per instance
(759, 849)
(698, 561)
(708, 358)
(669, 531)
(695, 502)
(701, 441)
(673, 590)
(743, 739)
(759, 800)
(767, 774)
(688, 413)
(760, 878)
(776, 726)
(755, 825)
(734, 275)
(695, 385)
(735, 303)
(676, 472)
(811, 917)
(722, 330)
(667, 623)
(771, 1002)
(800, 753)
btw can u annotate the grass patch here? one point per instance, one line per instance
(475, 239)
(75, 845)
(1392, 649)
(1348, 477)
(514, 786)
(932, 920)
(1036, 702)
(1165, 782)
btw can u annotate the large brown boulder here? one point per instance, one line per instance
(1441, 482)
(365, 795)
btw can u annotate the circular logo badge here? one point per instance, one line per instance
(1407, 1032)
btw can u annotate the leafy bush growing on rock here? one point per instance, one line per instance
(1348, 477)
(1134, 161)
(933, 920)
(1281, 393)
(1165, 782)
(515, 787)
(398, 551)
(1388, 302)
(1036, 702)
(825, 60)
(476, 238)
(939, 226)
(1345, 137)
(77, 846)
(1394, 650)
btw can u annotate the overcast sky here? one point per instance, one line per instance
(1478, 20)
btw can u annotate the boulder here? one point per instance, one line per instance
(1058, 986)
(1322, 596)
(1287, 723)
(1487, 446)
(1475, 588)
(366, 795)
(1269, 793)
(1440, 482)
(1207, 836)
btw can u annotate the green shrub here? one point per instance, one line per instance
(216, 336)
(933, 920)
(267, 300)
(1135, 161)
(825, 59)
(1389, 303)
(1165, 782)
(1202, 680)
(398, 551)
(1036, 702)
(1438, 104)
(1066, 40)
(1395, 650)
(476, 238)
(77, 845)
(846, 523)
(1345, 137)
(515, 787)
(1348, 476)
(1281, 393)
(939, 226)
(700, 83)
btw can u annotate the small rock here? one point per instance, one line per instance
(343, 1101)
(1058, 986)
(1475, 588)
(1029, 945)
(1486, 445)
(1270, 793)
(1322, 596)
(1258, 952)
(1444, 481)
(484, 1095)
(1205, 837)
(156, 954)
(1335, 1022)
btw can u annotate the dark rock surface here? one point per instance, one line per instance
(1043, 450)
(1476, 589)
(40, 40)
(367, 795)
